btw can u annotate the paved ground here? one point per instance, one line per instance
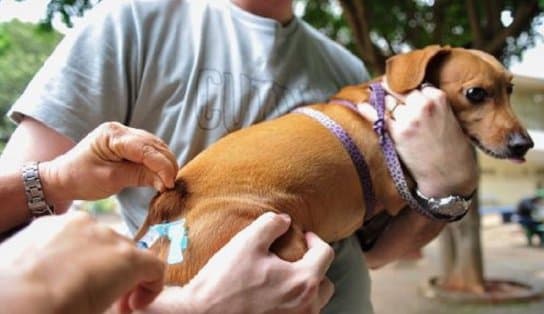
(506, 256)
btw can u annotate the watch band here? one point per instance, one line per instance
(35, 198)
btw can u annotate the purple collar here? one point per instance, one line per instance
(377, 100)
(350, 147)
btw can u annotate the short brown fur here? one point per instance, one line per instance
(294, 165)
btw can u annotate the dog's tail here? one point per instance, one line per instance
(165, 206)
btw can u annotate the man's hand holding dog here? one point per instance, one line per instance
(72, 264)
(245, 277)
(110, 158)
(430, 142)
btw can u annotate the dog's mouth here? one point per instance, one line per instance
(504, 154)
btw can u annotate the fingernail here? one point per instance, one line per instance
(170, 184)
(285, 217)
(158, 185)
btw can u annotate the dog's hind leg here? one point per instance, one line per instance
(212, 230)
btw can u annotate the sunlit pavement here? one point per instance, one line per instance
(506, 256)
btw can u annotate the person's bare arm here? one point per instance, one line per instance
(31, 141)
(432, 145)
(108, 159)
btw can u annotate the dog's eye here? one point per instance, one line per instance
(476, 94)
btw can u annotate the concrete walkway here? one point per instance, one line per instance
(506, 256)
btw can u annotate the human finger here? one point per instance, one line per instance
(391, 104)
(158, 142)
(411, 101)
(370, 114)
(139, 175)
(145, 294)
(319, 256)
(118, 142)
(416, 98)
(400, 97)
(142, 272)
(434, 94)
(122, 305)
(148, 280)
(147, 152)
(264, 230)
(326, 291)
(366, 110)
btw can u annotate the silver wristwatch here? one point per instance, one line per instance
(449, 206)
(35, 199)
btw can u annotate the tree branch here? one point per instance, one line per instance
(438, 15)
(523, 16)
(357, 18)
(493, 13)
(474, 23)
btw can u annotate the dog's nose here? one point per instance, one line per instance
(519, 144)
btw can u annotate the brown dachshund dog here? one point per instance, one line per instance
(294, 165)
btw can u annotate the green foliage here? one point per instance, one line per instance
(395, 25)
(326, 16)
(399, 25)
(23, 49)
(103, 206)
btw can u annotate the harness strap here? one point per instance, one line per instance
(350, 147)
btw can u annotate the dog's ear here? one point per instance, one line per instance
(406, 71)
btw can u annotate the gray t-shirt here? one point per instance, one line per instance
(189, 72)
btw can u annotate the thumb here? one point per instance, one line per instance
(265, 230)
(122, 306)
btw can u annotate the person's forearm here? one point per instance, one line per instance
(407, 232)
(14, 210)
(464, 185)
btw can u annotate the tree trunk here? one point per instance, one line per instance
(488, 33)
(357, 17)
(461, 253)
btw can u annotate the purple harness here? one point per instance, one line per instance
(350, 147)
(377, 100)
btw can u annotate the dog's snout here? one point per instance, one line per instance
(519, 144)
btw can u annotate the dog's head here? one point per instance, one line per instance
(478, 88)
